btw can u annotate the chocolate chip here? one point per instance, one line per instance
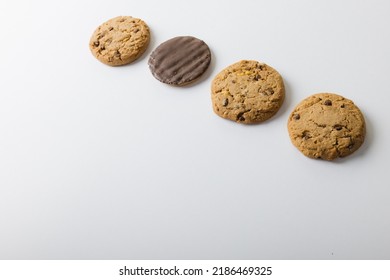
(257, 77)
(240, 117)
(261, 67)
(342, 106)
(338, 127)
(269, 91)
(225, 102)
(96, 43)
(296, 117)
(306, 135)
(233, 81)
(111, 28)
(328, 102)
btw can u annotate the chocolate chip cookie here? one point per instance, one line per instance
(247, 92)
(180, 60)
(327, 126)
(120, 40)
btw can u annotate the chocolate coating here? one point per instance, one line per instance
(180, 60)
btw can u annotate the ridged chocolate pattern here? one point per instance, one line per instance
(180, 60)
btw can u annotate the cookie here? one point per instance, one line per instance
(247, 92)
(326, 126)
(180, 60)
(120, 40)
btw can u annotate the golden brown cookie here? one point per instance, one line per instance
(326, 126)
(247, 92)
(120, 40)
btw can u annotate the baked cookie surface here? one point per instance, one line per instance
(120, 40)
(326, 126)
(180, 60)
(247, 92)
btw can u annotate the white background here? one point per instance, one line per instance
(99, 162)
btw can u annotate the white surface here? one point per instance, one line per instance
(108, 163)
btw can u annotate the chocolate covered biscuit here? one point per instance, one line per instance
(180, 60)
